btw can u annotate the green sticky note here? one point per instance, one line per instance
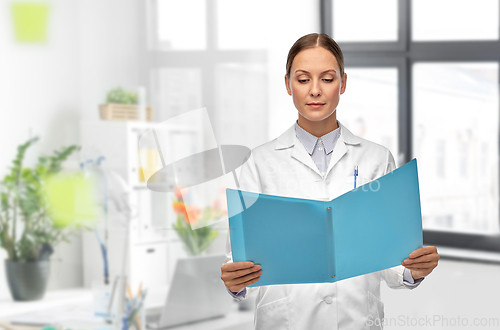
(71, 200)
(30, 21)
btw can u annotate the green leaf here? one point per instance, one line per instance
(22, 194)
(121, 96)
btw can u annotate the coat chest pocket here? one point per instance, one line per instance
(273, 315)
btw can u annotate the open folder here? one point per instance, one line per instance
(370, 228)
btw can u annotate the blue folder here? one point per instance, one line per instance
(295, 240)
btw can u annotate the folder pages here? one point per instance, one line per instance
(370, 228)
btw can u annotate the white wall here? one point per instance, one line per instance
(39, 84)
(109, 47)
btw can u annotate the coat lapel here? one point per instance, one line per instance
(289, 140)
(340, 149)
(300, 153)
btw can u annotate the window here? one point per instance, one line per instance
(176, 90)
(373, 116)
(196, 48)
(443, 102)
(454, 20)
(380, 16)
(457, 106)
(236, 25)
(170, 22)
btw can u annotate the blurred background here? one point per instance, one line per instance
(423, 80)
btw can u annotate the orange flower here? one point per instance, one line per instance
(179, 208)
(192, 215)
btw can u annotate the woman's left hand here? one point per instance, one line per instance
(422, 261)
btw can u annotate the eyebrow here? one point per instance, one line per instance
(321, 72)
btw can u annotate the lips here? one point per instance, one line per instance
(316, 105)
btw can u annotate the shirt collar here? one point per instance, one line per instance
(309, 141)
(287, 139)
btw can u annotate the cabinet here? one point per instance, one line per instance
(153, 245)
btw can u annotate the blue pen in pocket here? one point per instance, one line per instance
(355, 175)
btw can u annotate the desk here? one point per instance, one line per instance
(76, 307)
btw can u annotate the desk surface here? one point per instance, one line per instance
(72, 309)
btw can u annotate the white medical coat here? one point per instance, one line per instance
(283, 167)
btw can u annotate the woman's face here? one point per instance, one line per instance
(315, 83)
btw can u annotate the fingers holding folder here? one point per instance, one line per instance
(238, 275)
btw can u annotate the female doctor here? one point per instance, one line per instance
(315, 159)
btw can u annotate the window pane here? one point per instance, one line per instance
(241, 24)
(369, 106)
(454, 20)
(176, 90)
(365, 20)
(455, 139)
(182, 24)
(242, 104)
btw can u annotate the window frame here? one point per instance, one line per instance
(403, 54)
(153, 56)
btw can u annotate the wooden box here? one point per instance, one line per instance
(122, 112)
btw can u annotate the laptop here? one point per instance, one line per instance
(196, 293)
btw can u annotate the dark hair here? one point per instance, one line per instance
(313, 40)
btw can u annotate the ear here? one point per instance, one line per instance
(344, 82)
(287, 84)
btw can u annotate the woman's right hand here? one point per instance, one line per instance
(238, 275)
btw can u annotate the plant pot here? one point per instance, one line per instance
(27, 280)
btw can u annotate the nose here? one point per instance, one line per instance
(315, 89)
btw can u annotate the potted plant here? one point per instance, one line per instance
(122, 105)
(27, 232)
(196, 240)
